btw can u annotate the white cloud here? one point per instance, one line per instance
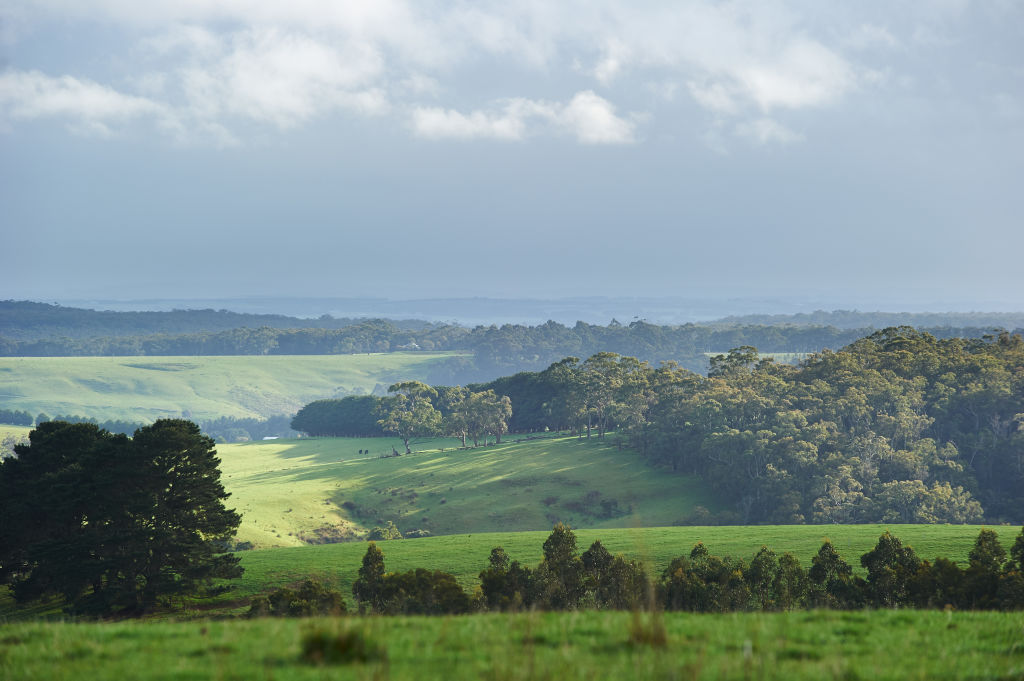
(592, 119)
(284, 64)
(437, 123)
(587, 116)
(85, 106)
(804, 74)
(285, 79)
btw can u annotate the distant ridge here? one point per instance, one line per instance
(26, 320)
(854, 319)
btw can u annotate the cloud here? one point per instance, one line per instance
(85, 106)
(592, 119)
(587, 116)
(284, 79)
(286, 64)
(437, 123)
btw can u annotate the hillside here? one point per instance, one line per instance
(291, 492)
(144, 389)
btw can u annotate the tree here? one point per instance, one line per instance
(369, 585)
(561, 572)
(890, 567)
(114, 524)
(410, 413)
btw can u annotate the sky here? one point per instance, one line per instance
(854, 151)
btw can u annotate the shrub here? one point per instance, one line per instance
(311, 598)
(389, 531)
(346, 647)
(416, 534)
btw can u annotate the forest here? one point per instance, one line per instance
(899, 426)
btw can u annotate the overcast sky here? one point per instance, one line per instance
(182, 148)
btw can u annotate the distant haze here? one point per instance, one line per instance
(593, 310)
(794, 154)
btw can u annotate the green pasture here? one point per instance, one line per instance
(147, 388)
(17, 432)
(294, 492)
(816, 646)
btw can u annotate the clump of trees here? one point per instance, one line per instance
(416, 592)
(308, 599)
(114, 524)
(411, 410)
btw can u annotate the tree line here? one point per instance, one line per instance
(493, 350)
(26, 320)
(698, 581)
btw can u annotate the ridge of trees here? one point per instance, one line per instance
(699, 581)
(856, 319)
(27, 320)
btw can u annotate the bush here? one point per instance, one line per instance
(389, 531)
(311, 598)
(416, 534)
(346, 647)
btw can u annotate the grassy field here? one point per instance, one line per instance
(19, 432)
(291, 492)
(815, 646)
(147, 388)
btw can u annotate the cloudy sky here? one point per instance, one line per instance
(184, 148)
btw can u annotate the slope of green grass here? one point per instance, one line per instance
(815, 646)
(147, 388)
(17, 432)
(291, 492)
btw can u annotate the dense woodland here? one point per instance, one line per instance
(899, 426)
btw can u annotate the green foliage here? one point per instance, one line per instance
(389, 531)
(310, 598)
(409, 412)
(112, 524)
(353, 416)
(416, 592)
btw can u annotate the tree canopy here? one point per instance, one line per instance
(111, 523)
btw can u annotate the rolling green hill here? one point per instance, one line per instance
(293, 492)
(146, 388)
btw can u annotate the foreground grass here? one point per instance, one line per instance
(146, 388)
(291, 492)
(801, 645)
